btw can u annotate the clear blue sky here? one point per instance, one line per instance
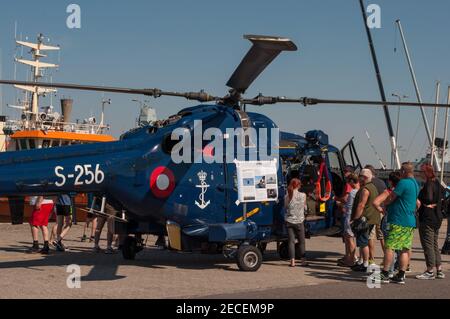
(192, 45)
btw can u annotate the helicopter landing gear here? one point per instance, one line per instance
(262, 247)
(131, 246)
(249, 258)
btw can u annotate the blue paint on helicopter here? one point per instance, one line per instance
(128, 164)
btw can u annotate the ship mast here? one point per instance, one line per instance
(37, 65)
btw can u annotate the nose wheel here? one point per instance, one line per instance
(249, 258)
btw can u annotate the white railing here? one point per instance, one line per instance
(12, 126)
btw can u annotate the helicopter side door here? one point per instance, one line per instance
(350, 156)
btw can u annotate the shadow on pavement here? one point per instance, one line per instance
(104, 267)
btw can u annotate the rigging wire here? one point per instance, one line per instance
(424, 144)
(383, 165)
(413, 139)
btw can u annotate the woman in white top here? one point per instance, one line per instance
(295, 204)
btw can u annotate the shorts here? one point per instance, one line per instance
(362, 237)
(376, 233)
(399, 237)
(63, 210)
(40, 217)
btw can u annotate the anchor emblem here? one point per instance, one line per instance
(204, 188)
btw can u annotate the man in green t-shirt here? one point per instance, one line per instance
(401, 205)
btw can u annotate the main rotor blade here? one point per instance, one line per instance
(263, 100)
(198, 96)
(264, 50)
(150, 92)
(313, 101)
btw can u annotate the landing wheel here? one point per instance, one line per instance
(283, 251)
(249, 258)
(129, 248)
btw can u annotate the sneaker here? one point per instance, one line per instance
(60, 246)
(34, 249)
(342, 263)
(84, 238)
(110, 251)
(397, 279)
(426, 276)
(379, 278)
(408, 269)
(372, 262)
(359, 268)
(440, 274)
(45, 250)
(97, 250)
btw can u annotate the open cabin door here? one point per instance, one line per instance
(350, 156)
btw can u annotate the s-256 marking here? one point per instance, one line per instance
(81, 175)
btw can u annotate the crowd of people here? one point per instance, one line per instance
(372, 212)
(60, 209)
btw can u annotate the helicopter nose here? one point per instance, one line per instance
(162, 182)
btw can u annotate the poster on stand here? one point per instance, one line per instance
(257, 181)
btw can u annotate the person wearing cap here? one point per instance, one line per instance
(364, 217)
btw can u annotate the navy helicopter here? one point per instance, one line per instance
(195, 203)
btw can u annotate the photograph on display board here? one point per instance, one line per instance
(271, 179)
(260, 181)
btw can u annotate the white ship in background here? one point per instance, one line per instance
(39, 127)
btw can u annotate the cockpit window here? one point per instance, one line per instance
(168, 144)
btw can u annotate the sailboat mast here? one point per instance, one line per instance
(433, 148)
(419, 97)
(444, 147)
(381, 88)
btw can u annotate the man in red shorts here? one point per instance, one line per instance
(39, 220)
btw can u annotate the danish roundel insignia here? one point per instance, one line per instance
(162, 182)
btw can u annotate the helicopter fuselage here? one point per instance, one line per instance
(138, 173)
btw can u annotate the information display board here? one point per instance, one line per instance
(257, 181)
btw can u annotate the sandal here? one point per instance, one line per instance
(304, 263)
(342, 263)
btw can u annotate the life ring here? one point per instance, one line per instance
(328, 186)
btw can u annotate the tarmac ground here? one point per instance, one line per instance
(164, 274)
